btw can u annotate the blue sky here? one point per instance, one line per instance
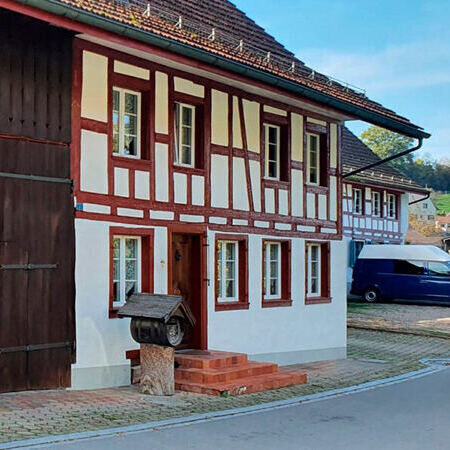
(397, 50)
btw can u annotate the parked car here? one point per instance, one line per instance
(410, 272)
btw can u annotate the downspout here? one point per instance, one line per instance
(420, 199)
(383, 161)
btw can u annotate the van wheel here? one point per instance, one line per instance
(371, 295)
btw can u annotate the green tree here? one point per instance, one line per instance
(386, 143)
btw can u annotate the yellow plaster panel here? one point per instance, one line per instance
(161, 103)
(189, 87)
(316, 121)
(297, 137)
(252, 125)
(272, 110)
(219, 117)
(130, 70)
(94, 94)
(237, 132)
(333, 145)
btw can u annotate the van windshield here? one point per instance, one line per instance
(439, 269)
(409, 267)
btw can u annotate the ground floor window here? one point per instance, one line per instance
(276, 273)
(317, 272)
(231, 272)
(131, 264)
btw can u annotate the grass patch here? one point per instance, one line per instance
(442, 203)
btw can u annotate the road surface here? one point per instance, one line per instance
(414, 414)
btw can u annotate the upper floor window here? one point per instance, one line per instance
(376, 204)
(272, 138)
(227, 271)
(126, 122)
(391, 206)
(313, 158)
(357, 201)
(184, 135)
(126, 268)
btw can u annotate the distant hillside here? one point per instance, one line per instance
(442, 203)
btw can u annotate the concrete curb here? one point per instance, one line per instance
(434, 366)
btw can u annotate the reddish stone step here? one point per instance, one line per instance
(226, 374)
(243, 385)
(208, 359)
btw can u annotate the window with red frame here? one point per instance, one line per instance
(231, 272)
(317, 266)
(276, 273)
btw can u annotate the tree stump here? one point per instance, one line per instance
(157, 370)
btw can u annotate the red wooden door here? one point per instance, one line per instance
(187, 280)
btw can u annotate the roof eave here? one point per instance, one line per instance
(104, 23)
(387, 184)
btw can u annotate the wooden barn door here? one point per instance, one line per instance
(37, 323)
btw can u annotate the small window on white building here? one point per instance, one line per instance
(392, 206)
(272, 150)
(184, 135)
(227, 271)
(376, 204)
(272, 270)
(126, 122)
(314, 270)
(313, 158)
(126, 268)
(357, 201)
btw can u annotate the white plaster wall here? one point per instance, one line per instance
(237, 131)
(283, 202)
(297, 192)
(142, 185)
(240, 192)
(333, 199)
(219, 181)
(311, 205)
(269, 195)
(180, 187)
(162, 172)
(198, 190)
(94, 162)
(255, 180)
(322, 213)
(101, 341)
(297, 332)
(121, 183)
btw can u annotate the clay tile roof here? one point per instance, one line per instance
(231, 25)
(356, 154)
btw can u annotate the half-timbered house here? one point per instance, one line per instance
(206, 161)
(375, 201)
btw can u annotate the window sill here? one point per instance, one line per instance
(267, 303)
(188, 169)
(316, 188)
(275, 182)
(317, 300)
(231, 306)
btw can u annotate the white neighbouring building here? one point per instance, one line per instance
(376, 202)
(208, 164)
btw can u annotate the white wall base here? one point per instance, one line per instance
(100, 377)
(302, 356)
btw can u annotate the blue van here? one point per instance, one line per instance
(409, 272)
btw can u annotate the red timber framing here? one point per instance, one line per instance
(325, 274)
(285, 288)
(242, 302)
(381, 233)
(288, 223)
(147, 272)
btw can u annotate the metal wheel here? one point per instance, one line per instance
(371, 295)
(175, 331)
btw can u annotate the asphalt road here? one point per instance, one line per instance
(414, 414)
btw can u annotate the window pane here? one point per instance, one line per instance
(130, 289)
(187, 117)
(230, 289)
(273, 135)
(186, 155)
(409, 267)
(231, 251)
(272, 169)
(313, 176)
(116, 101)
(116, 245)
(274, 269)
(131, 270)
(314, 286)
(116, 269)
(116, 291)
(274, 287)
(439, 269)
(273, 252)
(314, 252)
(313, 143)
(131, 248)
(131, 103)
(130, 145)
(230, 270)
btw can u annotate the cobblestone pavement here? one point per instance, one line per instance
(424, 320)
(371, 355)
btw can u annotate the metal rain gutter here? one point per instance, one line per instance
(420, 199)
(385, 160)
(92, 19)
